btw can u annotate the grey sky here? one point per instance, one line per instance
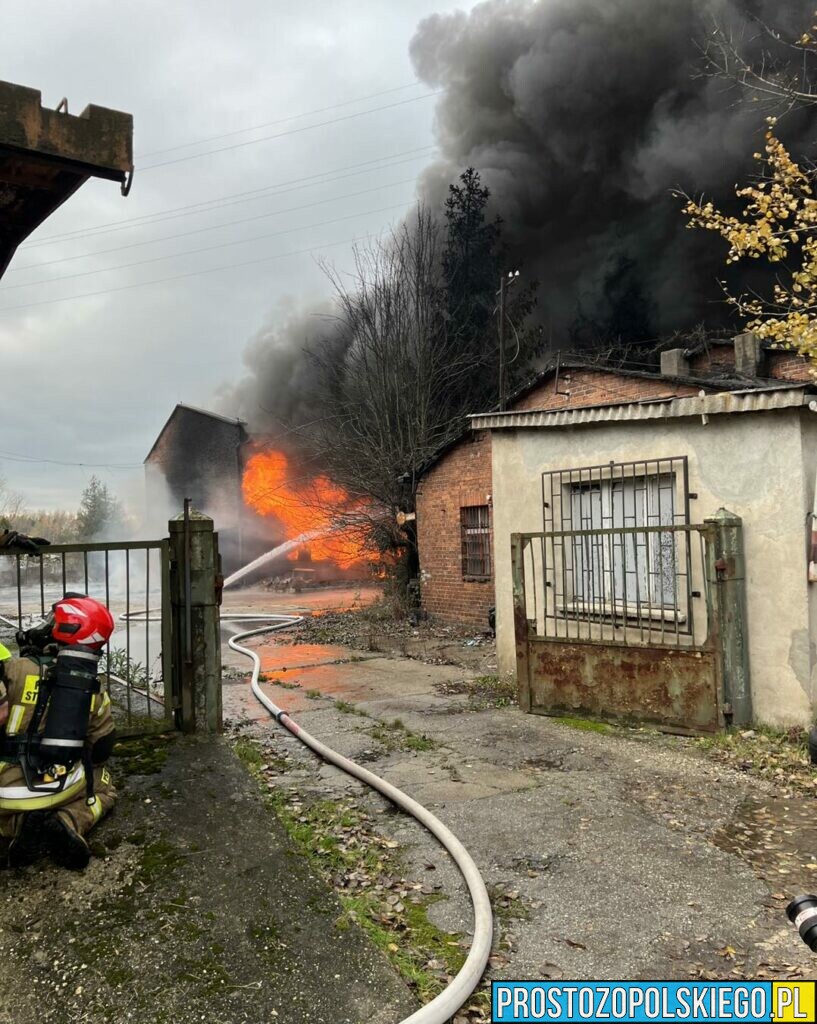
(93, 378)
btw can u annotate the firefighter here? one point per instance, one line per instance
(56, 824)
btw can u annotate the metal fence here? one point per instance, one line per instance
(133, 579)
(626, 585)
(647, 492)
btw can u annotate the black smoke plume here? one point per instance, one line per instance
(581, 117)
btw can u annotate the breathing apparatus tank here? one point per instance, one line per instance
(69, 685)
(67, 646)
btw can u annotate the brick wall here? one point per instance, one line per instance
(789, 366)
(780, 365)
(598, 387)
(461, 478)
(717, 357)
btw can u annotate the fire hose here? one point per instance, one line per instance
(443, 1007)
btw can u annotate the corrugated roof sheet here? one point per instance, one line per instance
(783, 396)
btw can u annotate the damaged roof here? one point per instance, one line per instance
(716, 380)
(708, 384)
(181, 407)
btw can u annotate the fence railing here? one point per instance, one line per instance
(133, 579)
(641, 585)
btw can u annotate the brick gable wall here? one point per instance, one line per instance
(461, 478)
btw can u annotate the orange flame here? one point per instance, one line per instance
(304, 507)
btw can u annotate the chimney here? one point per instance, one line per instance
(750, 359)
(674, 363)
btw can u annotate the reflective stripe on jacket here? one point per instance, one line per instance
(22, 680)
(21, 798)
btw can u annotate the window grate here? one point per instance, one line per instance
(475, 529)
(615, 552)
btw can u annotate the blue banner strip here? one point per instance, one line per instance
(637, 1001)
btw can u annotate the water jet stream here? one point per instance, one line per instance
(273, 555)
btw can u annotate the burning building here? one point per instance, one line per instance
(198, 455)
(257, 496)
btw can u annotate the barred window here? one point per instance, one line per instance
(609, 552)
(475, 526)
(642, 566)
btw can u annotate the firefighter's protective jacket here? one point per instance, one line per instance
(19, 685)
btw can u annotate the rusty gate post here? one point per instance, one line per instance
(726, 596)
(195, 569)
(520, 622)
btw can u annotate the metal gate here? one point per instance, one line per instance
(133, 579)
(619, 622)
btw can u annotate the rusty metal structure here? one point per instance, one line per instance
(633, 622)
(46, 155)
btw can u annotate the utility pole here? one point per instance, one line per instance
(502, 292)
(505, 282)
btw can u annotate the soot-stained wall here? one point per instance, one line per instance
(199, 455)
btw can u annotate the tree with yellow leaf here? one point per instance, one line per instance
(778, 226)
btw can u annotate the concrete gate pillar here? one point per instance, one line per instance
(194, 585)
(726, 598)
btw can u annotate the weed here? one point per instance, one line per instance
(414, 741)
(779, 754)
(346, 708)
(485, 691)
(145, 756)
(258, 760)
(249, 752)
(426, 941)
(118, 663)
(507, 905)
(585, 724)
(395, 736)
(267, 677)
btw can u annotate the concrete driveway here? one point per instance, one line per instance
(610, 855)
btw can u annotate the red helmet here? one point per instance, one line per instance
(82, 620)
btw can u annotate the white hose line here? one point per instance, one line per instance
(443, 1007)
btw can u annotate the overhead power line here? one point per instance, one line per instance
(180, 277)
(280, 120)
(212, 227)
(161, 215)
(16, 457)
(291, 131)
(206, 248)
